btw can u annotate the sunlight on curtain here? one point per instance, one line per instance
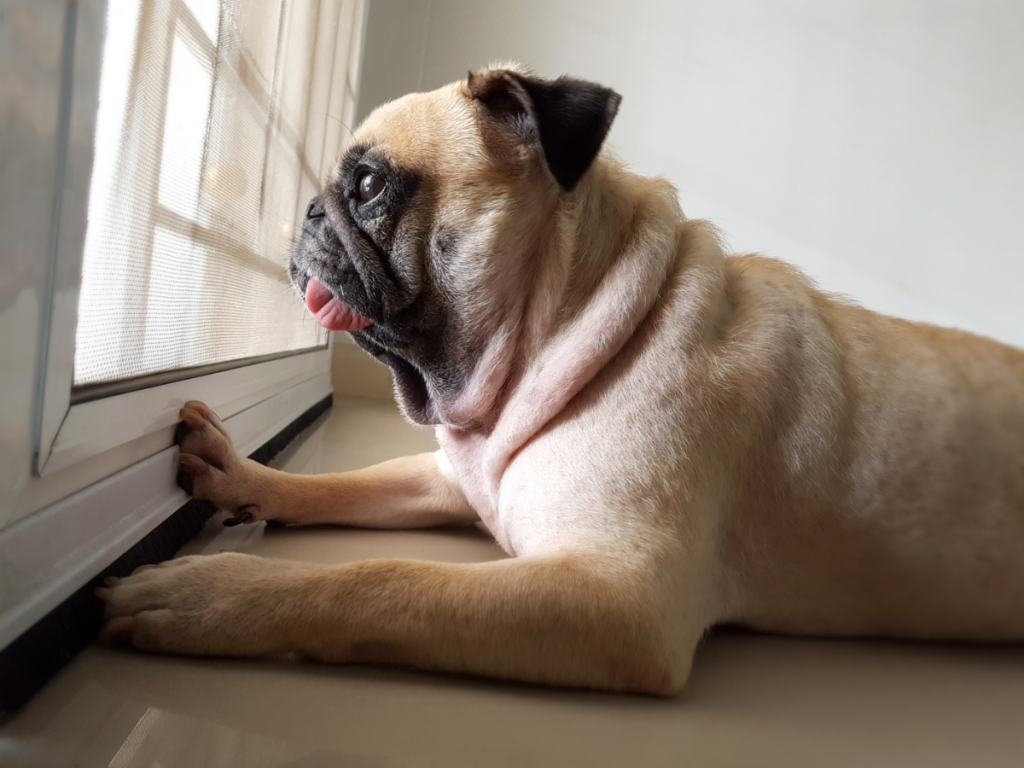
(217, 121)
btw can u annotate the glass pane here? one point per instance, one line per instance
(185, 122)
(213, 132)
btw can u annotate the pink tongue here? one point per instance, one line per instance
(331, 313)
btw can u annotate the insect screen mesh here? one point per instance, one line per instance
(217, 120)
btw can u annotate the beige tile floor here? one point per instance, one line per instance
(753, 700)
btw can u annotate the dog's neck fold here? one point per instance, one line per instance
(588, 299)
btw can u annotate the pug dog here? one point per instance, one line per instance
(663, 437)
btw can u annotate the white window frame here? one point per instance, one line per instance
(105, 468)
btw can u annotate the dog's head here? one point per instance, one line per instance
(426, 241)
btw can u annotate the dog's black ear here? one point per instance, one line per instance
(568, 117)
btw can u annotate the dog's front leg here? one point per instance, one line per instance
(573, 620)
(410, 492)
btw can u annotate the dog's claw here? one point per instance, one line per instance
(241, 517)
(116, 628)
(192, 417)
(191, 462)
(199, 407)
(190, 467)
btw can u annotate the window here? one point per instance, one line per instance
(191, 134)
(216, 121)
(211, 138)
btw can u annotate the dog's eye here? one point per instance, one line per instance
(370, 186)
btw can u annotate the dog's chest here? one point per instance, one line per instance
(478, 468)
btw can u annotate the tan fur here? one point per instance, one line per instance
(756, 452)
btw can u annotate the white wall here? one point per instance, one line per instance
(877, 144)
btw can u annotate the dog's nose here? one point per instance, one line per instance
(315, 209)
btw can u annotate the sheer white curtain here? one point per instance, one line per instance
(217, 121)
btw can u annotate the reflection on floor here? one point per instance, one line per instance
(752, 700)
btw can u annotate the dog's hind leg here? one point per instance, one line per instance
(580, 619)
(410, 492)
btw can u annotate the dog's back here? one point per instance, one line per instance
(887, 479)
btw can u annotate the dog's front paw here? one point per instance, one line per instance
(209, 468)
(214, 605)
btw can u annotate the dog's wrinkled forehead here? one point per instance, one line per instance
(495, 127)
(433, 134)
